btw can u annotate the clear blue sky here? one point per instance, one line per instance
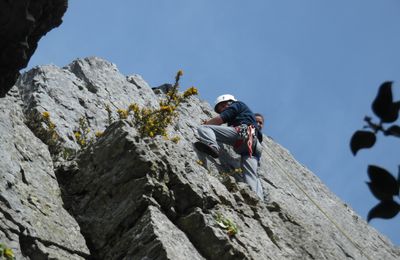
(311, 67)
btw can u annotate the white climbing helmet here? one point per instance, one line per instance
(223, 98)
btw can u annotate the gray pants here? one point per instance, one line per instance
(212, 134)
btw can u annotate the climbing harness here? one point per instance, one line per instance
(247, 134)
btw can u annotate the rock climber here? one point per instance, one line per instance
(260, 120)
(242, 133)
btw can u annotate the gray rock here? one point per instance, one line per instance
(151, 198)
(154, 236)
(164, 88)
(83, 89)
(34, 223)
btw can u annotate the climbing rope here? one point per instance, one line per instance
(317, 205)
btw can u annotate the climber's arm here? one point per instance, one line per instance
(214, 121)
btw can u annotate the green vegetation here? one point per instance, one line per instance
(152, 122)
(110, 119)
(82, 133)
(227, 224)
(45, 130)
(149, 122)
(6, 253)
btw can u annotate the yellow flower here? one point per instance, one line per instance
(52, 126)
(175, 139)
(133, 107)
(178, 75)
(46, 115)
(77, 135)
(190, 91)
(8, 253)
(98, 134)
(123, 114)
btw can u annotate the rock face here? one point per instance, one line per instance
(150, 198)
(22, 24)
(33, 220)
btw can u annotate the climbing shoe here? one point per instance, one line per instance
(202, 147)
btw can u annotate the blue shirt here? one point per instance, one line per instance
(238, 113)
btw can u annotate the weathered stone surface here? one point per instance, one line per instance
(33, 221)
(22, 24)
(142, 198)
(154, 236)
(160, 174)
(81, 90)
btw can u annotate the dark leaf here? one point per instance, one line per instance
(393, 130)
(362, 139)
(383, 105)
(385, 209)
(398, 176)
(379, 193)
(397, 105)
(382, 182)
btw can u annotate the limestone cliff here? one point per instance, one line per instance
(126, 197)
